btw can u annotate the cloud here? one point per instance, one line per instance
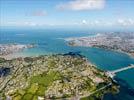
(25, 23)
(125, 22)
(118, 22)
(94, 23)
(78, 5)
(97, 22)
(84, 22)
(29, 24)
(37, 13)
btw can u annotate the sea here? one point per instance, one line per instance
(51, 41)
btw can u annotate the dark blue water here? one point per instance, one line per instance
(4, 71)
(50, 41)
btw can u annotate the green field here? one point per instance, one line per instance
(38, 86)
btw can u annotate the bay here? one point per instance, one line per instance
(51, 41)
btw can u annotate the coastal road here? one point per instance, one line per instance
(95, 91)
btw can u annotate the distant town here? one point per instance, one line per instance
(7, 49)
(120, 41)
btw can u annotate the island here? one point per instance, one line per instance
(50, 77)
(119, 41)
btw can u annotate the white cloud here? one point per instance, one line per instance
(106, 23)
(83, 5)
(25, 23)
(37, 13)
(84, 22)
(95, 23)
(29, 24)
(125, 22)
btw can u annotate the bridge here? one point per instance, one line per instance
(109, 74)
(114, 72)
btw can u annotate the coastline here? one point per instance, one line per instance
(21, 54)
(72, 42)
(13, 55)
(119, 51)
(9, 51)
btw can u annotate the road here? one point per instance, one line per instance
(95, 91)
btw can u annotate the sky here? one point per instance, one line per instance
(83, 13)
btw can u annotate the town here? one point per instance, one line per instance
(123, 42)
(6, 49)
(52, 77)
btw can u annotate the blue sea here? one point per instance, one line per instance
(51, 41)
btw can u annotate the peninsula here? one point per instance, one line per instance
(69, 76)
(120, 41)
(7, 49)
